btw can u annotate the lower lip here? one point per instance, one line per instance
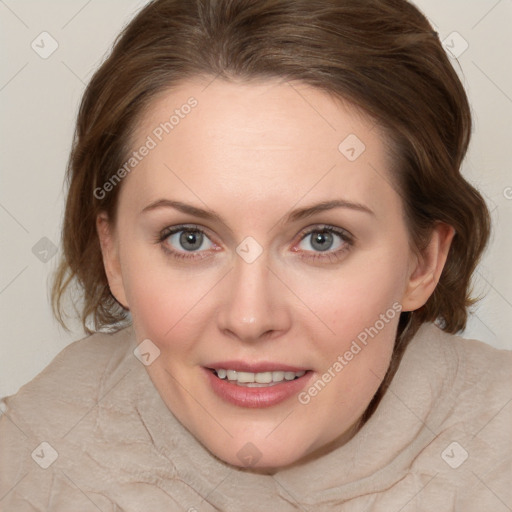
(256, 397)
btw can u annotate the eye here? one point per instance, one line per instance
(324, 242)
(185, 241)
(320, 241)
(189, 240)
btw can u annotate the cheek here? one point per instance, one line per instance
(168, 305)
(357, 310)
(353, 296)
(362, 316)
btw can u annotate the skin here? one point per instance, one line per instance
(252, 153)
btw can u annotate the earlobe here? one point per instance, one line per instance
(426, 268)
(111, 262)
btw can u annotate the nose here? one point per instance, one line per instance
(253, 302)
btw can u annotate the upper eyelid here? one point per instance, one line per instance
(170, 230)
(326, 227)
(342, 232)
(183, 227)
(291, 219)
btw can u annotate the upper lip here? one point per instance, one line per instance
(254, 367)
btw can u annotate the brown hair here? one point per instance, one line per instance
(381, 55)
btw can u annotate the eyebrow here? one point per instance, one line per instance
(303, 213)
(295, 215)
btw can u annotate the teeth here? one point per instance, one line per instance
(257, 378)
(263, 377)
(245, 376)
(277, 376)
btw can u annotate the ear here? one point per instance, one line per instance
(425, 268)
(110, 252)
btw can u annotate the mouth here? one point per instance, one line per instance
(256, 389)
(256, 380)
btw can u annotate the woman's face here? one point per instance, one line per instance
(259, 233)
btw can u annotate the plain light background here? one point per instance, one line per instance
(39, 99)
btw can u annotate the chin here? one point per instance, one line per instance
(251, 459)
(260, 454)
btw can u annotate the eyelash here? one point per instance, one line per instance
(331, 256)
(167, 232)
(327, 256)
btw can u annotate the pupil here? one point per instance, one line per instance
(322, 241)
(191, 240)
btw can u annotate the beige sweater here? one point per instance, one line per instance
(439, 441)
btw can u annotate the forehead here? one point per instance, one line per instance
(261, 140)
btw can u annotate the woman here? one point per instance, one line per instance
(266, 211)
